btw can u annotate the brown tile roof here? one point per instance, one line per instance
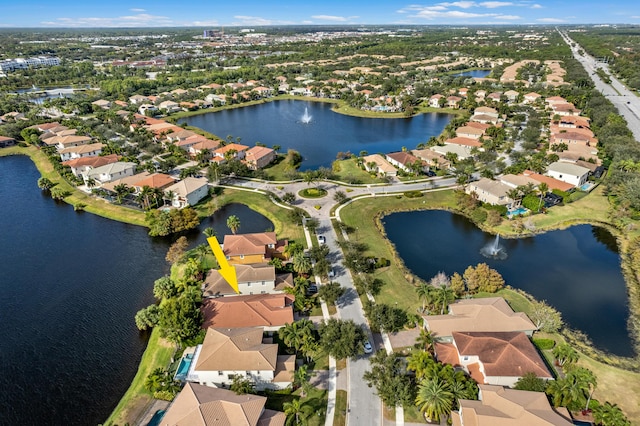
(248, 244)
(284, 281)
(257, 152)
(129, 181)
(499, 406)
(236, 349)
(215, 285)
(484, 314)
(231, 146)
(503, 354)
(198, 405)
(156, 180)
(92, 161)
(285, 366)
(551, 182)
(82, 149)
(469, 130)
(257, 310)
(460, 140)
(403, 158)
(481, 126)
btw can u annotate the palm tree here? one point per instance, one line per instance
(91, 182)
(609, 414)
(169, 196)
(233, 223)
(301, 263)
(425, 340)
(542, 189)
(301, 379)
(209, 232)
(434, 399)
(424, 291)
(420, 362)
(573, 390)
(444, 295)
(121, 191)
(45, 184)
(294, 411)
(565, 354)
(295, 334)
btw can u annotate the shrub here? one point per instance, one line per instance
(413, 194)
(79, 207)
(544, 344)
(479, 215)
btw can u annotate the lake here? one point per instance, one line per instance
(280, 123)
(70, 285)
(576, 270)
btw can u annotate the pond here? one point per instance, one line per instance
(576, 270)
(70, 286)
(320, 133)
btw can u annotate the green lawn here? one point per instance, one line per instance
(340, 415)
(261, 204)
(94, 205)
(157, 355)
(315, 403)
(349, 172)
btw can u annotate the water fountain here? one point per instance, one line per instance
(494, 250)
(306, 118)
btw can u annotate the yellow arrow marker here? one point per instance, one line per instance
(227, 271)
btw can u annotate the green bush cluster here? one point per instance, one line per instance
(413, 194)
(544, 344)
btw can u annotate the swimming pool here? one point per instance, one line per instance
(517, 212)
(157, 417)
(183, 367)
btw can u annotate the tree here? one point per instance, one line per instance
(312, 225)
(180, 320)
(420, 362)
(457, 284)
(58, 193)
(322, 268)
(543, 188)
(434, 399)
(292, 249)
(233, 223)
(387, 375)
(164, 288)
(531, 382)
(425, 292)
(544, 317)
(341, 339)
(340, 197)
(565, 354)
(443, 296)
(176, 250)
(483, 278)
(331, 292)
(295, 411)
(295, 335)
(301, 379)
(122, 190)
(301, 263)
(572, 391)
(242, 385)
(45, 184)
(608, 414)
(289, 197)
(209, 232)
(425, 341)
(147, 318)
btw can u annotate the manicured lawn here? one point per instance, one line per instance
(93, 204)
(157, 355)
(315, 403)
(348, 171)
(312, 193)
(279, 171)
(340, 416)
(261, 204)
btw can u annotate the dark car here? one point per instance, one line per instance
(312, 289)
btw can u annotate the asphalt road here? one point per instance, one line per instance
(625, 100)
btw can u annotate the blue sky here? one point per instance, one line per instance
(216, 13)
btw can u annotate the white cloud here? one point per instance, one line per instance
(137, 10)
(460, 4)
(551, 20)
(495, 4)
(509, 17)
(635, 17)
(537, 6)
(334, 18)
(258, 21)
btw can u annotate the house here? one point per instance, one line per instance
(469, 132)
(112, 171)
(454, 101)
(169, 106)
(101, 103)
(256, 278)
(377, 164)
(432, 158)
(128, 181)
(405, 161)
(564, 109)
(138, 99)
(198, 405)
(180, 135)
(491, 192)
(234, 150)
(188, 192)
(258, 157)
(81, 166)
(494, 358)
(253, 248)
(269, 311)
(551, 182)
(6, 141)
(231, 352)
(202, 145)
(484, 314)
(568, 172)
(472, 143)
(497, 405)
(434, 101)
(62, 142)
(147, 108)
(81, 151)
(485, 115)
(531, 97)
(511, 95)
(515, 181)
(155, 181)
(460, 151)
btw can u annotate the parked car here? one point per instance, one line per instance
(322, 239)
(367, 347)
(332, 273)
(312, 289)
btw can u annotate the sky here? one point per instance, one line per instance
(249, 13)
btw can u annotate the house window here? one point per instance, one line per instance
(465, 358)
(264, 283)
(242, 256)
(249, 284)
(262, 292)
(220, 373)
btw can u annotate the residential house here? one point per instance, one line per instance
(497, 405)
(495, 96)
(198, 405)
(494, 358)
(138, 99)
(191, 141)
(234, 150)
(434, 101)
(458, 140)
(81, 166)
(203, 145)
(485, 115)
(169, 106)
(460, 151)
(62, 142)
(147, 108)
(255, 278)
(112, 171)
(405, 161)
(432, 158)
(253, 248)
(188, 192)
(128, 181)
(180, 135)
(515, 181)
(155, 181)
(454, 101)
(6, 141)
(531, 97)
(269, 311)
(81, 151)
(511, 95)
(564, 109)
(469, 132)
(484, 314)
(376, 163)
(551, 182)
(102, 103)
(568, 172)
(240, 352)
(258, 157)
(491, 192)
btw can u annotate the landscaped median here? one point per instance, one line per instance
(91, 204)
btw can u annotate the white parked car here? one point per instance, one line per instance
(322, 239)
(367, 347)
(332, 273)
